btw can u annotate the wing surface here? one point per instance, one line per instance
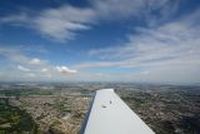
(110, 115)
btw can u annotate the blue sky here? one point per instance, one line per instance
(100, 40)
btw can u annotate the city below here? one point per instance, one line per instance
(60, 108)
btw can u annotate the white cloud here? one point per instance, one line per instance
(20, 19)
(29, 68)
(112, 9)
(136, 9)
(64, 22)
(60, 23)
(35, 61)
(170, 50)
(65, 70)
(173, 41)
(24, 69)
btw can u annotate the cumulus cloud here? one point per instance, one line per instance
(35, 61)
(24, 69)
(29, 68)
(65, 70)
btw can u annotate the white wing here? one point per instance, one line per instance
(110, 115)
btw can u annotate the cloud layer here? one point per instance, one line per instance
(165, 53)
(64, 22)
(161, 50)
(23, 67)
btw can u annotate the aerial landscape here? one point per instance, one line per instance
(60, 108)
(55, 55)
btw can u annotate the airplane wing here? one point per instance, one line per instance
(110, 115)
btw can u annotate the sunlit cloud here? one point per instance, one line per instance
(35, 68)
(65, 70)
(35, 61)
